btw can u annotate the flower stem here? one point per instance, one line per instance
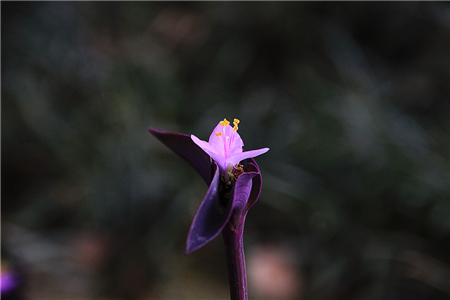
(234, 248)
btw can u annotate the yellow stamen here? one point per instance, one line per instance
(218, 133)
(235, 122)
(224, 123)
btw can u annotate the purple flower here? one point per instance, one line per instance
(225, 146)
(232, 175)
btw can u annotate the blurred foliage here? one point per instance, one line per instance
(352, 99)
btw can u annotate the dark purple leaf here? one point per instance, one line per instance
(182, 145)
(252, 166)
(211, 217)
(241, 194)
(246, 192)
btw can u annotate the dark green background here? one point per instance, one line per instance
(351, 98)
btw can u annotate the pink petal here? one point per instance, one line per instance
(213, 137)
(237, 144)
(236, 158)
(202, 144)
(214, 153)
(220, 160)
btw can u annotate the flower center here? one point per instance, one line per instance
(227, 139)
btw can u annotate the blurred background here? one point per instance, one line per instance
(351, 98)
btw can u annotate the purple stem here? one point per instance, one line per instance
(234, 248)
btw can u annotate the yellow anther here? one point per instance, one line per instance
(224, 123)
(235, 122)
(218, 133)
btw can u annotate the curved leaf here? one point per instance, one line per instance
(252, 166)
(183, 145)
(241, 194)
(210, 218)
